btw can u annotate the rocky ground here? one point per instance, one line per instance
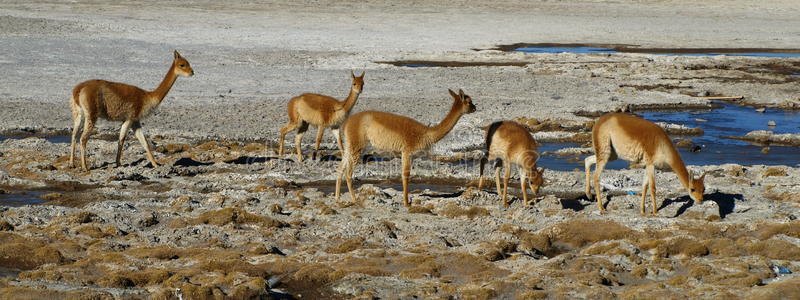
(224, 217)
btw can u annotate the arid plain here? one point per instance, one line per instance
(223, 217)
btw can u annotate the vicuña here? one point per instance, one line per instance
(121, 103)
(390, 132)
(638, 141)
(321, 111)
(511, 144)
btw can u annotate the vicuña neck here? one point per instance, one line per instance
(350, 101)
(161, 91)
(679, 168)
(438, 132)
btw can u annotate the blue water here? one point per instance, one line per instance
(578, 50)
(734, 120)
(586, 50)
(569, 163)
(15, 199)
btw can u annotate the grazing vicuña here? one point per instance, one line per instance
(638, 141)
(511, 143)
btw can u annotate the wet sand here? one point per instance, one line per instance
(225, 218)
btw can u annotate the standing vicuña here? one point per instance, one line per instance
(390, 132)
(119, 102)
(511, 143)
(319, 110)
(620, 135)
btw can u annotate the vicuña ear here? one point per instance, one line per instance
(453, 93)
(352, 74)
(703, 177)
(177, 55)
(362, 74)
(461, 93)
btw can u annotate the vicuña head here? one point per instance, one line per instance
(390, 132)
(181, 65)
(697, 188)
(119, 102)
(620, 135)
(321, 111)
(509, 143)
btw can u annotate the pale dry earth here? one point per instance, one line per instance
(224, 218)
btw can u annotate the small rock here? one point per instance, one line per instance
(703, 94)
(761, 110)
(696, 148)
(700, 120)
(771, 124)
(765, 150)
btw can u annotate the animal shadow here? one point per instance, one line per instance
(249, 160)
(368, 158)
(573, 204)
(725, 202)
(188, 162)
(329, 158)
(443, 195)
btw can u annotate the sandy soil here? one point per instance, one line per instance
(226, 218)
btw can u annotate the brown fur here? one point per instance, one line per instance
(513, 144)
(638, 141)
(119, 102)
(321, 111)
(390, 132)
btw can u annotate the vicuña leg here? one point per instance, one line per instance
(507, 175)
(88, 126)
(588, 162)
(497, 177)
(406, 173)
(77, 119)
(320, 131)
(645, 183)
(137, 130)
(523, 180)
(289, 127)
(338, 138)
(123, 132)
(484, 160)
(598, 190)
(301, 130)
(351, 163)
(651, 173)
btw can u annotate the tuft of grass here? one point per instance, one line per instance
(791, 228)
(452, 210)
(24, 253)
(774, 171)
(348, 246)
(418, 209)
(676, 246)
(231, 215)
(581, 232)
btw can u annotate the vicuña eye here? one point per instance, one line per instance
(182, 65)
